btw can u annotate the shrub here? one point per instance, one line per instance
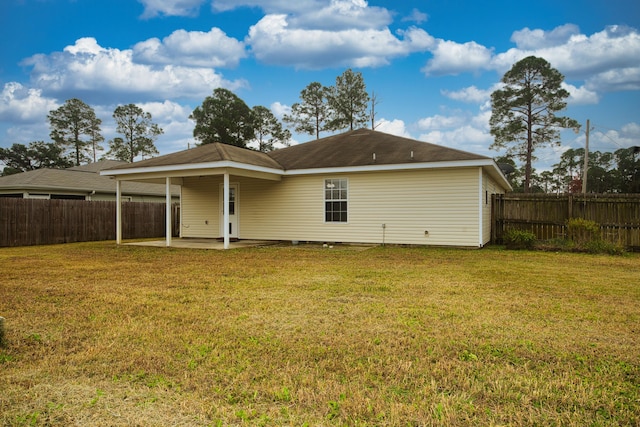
(582, 232)
(519, 239)
(603, 247)
(586, 236)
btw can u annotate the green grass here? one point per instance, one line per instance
(104, 335)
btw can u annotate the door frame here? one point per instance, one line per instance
(234, 219)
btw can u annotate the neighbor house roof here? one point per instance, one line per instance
(77, 179)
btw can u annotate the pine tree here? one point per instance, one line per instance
(139, 134)
(74, 126)
(523, 116)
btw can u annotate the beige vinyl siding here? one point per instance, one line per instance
(442, 202)
(281, 210)
(200, 214)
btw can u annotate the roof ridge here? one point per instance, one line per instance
(224, 155)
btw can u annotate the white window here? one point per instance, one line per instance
(335, 200)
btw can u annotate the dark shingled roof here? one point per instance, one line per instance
(356, 148)
(207, 153)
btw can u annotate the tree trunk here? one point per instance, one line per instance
(527, 169)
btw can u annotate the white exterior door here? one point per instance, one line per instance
(233, 210)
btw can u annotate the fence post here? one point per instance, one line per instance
(570, 207)
(495, 216)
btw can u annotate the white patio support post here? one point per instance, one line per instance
(225, 198)
(480, 208)
(118, 211)
(168, 213)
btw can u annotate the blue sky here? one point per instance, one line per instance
(431, 64)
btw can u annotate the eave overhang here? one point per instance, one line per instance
(157, 173)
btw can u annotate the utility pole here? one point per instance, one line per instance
(586, 162)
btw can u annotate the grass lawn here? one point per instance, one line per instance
(121, 336)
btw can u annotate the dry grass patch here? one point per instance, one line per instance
(119, 336)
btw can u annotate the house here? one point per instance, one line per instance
(360, 186)
(80, 183)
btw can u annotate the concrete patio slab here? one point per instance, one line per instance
(204, 243)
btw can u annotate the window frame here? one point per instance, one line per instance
(345, 200)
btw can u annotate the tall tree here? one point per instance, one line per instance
(73, 126)
(570, 166)
(139, 134)
(523, 111)
(372, 113)
(552, 182)
(95, 139)
(310, 115)
(39, 154)
(513, 174)
(601, 178)
(348, 101)
(223, 117)
(268, 130)
(628, 170)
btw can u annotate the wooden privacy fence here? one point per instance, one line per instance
(25, 222)
(546, 215)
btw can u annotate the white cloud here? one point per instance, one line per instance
(25, 111)
(440, 122)
(270, 6)
(632, 130)
(100, 73)
(416, 16)
(273, 42)
(470, 94)
(481, 120)
(394, 127)
(153, 8)
(615, 80)
(605, 61)
(527, 39)
(459, 130)
(608, 59)
(25, 105)
(465, 138)
(580, 95)
(317, 14)
(417, 39)
(341, 15)
(279, 110)
(191, 48)
(454, 58)
(603, 139)
(167, 111)
(173, 118)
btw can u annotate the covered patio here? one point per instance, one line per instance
(211, 160)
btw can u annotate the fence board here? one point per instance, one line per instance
(26, 222)
(546, 215)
